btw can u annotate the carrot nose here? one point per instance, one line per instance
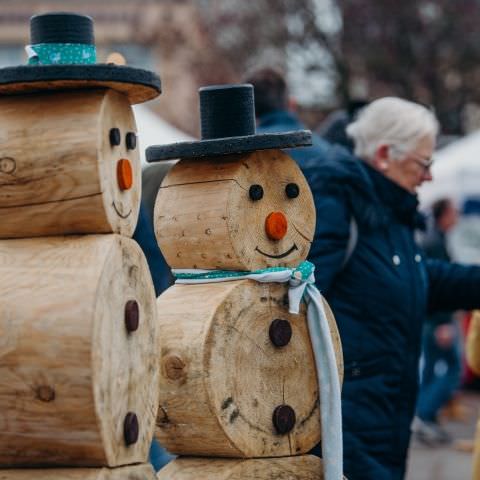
(124, 174)
(276, 225)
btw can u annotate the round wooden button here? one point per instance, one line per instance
(130, 428)
(280, 332)
(283, 419)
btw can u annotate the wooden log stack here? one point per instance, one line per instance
(79, 365)
(77, 353)
(239, 397)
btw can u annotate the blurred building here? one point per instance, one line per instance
(164, 36)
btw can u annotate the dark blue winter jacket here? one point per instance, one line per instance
(380, 298)
(284, 121)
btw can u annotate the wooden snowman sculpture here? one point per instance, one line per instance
(472, 352)
(238, 382)
(78, 336)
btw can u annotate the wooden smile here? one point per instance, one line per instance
(282, 255)
(118, 212)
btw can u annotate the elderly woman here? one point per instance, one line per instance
(376, 279)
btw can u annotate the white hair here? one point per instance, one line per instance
(391, 121)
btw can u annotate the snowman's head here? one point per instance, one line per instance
(120, 163)
(242, 212)
(272, 217)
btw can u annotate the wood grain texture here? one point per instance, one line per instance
(135, 472)
(472, 344)
(204, 217)
(222, 377)
(305, 467)
(69, 369)
(476, 454)
(58, 169)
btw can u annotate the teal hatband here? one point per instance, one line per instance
(61, 54)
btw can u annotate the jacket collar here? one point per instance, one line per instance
(402, 203)
(372, 197)
(283, 117)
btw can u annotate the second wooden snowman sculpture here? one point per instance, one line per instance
(238, 376)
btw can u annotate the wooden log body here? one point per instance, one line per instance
(205, 217)
(222, 377)
(58, 167)
(70, 372)
(304, 467)
(134, 472)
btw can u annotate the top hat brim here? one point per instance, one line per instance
(228, 146)
(137, 84)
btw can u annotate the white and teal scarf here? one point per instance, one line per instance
(301, 287)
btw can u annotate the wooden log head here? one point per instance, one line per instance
(242, 212)
(69, 163)
(78, 352)
(235, 381)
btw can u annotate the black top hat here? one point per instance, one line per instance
(62, 56)
(227, 114)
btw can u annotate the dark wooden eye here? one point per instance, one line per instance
(256, 192)
(131, 141)
(292, 190)
(115, 137)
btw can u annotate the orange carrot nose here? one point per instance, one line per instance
(124, 174)
(276, 225)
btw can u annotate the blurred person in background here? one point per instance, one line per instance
(441, 370)
(144, 235)
(274, 110)
(464, 247)
(152, 176)
(334, 127)
(376, 279)
(464, 240)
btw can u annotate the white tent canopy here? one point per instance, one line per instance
(456, 172)
(153, 130)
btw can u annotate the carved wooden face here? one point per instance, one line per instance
(120, 162)
(242, 212)
(68, 164)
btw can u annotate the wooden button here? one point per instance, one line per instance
(280, 332)
(283, 419)
(132, 316)
(130, 428)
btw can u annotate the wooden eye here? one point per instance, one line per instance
(255, 192)
(131, 141)
(292, 190)
(115, 137)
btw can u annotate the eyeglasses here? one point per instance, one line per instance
(425, 162)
